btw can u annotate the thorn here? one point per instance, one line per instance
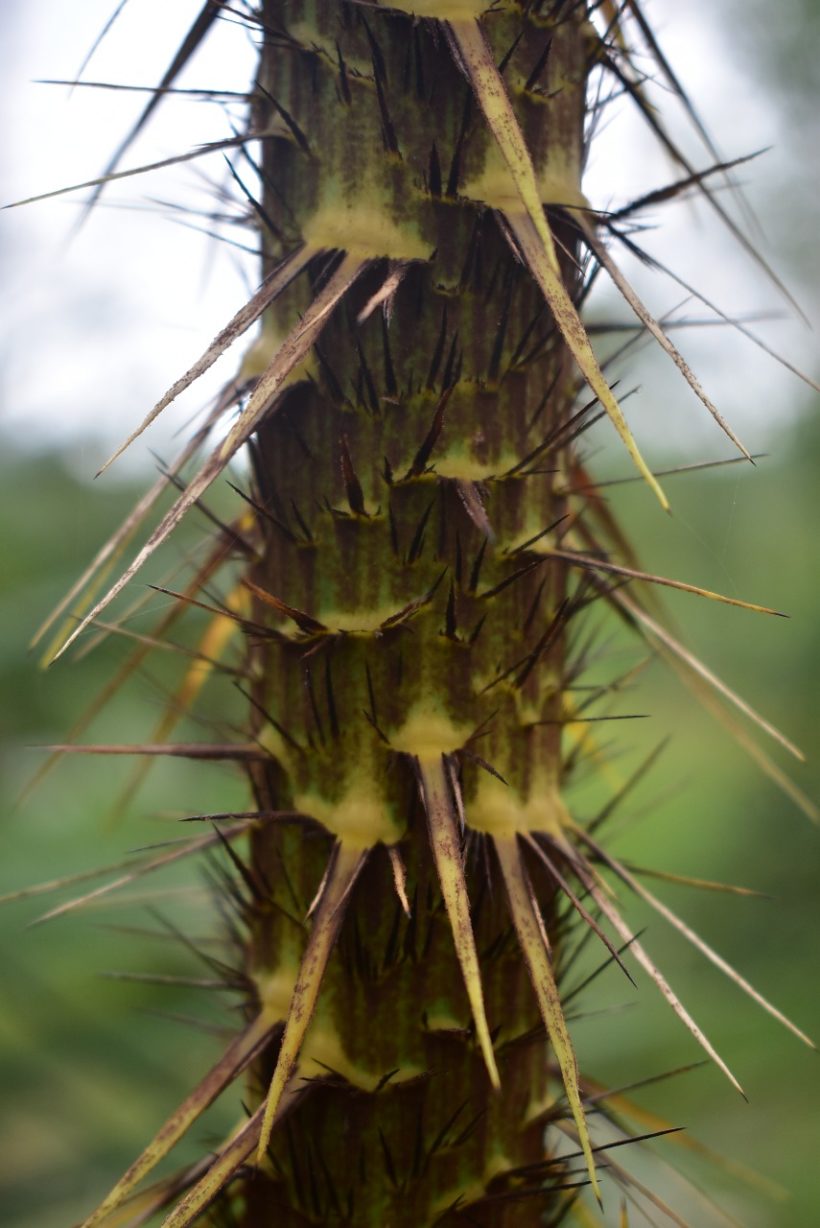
(355, 496)
(475, 572)
(540, 65)
(455, 164)
(450, 615)
(344, 84)
(438, 352)
(417, 544)
(390, 386)
(423, 455)
(372, 396)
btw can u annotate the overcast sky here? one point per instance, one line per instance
(94, 329)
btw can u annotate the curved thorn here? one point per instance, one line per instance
(529, 927)
(343, 870)
(443, 826)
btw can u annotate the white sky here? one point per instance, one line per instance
(94, 330)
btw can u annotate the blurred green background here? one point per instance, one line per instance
(89, 1066)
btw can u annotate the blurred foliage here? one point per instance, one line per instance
(88, 1067)
(775, 48)
(783, 42)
